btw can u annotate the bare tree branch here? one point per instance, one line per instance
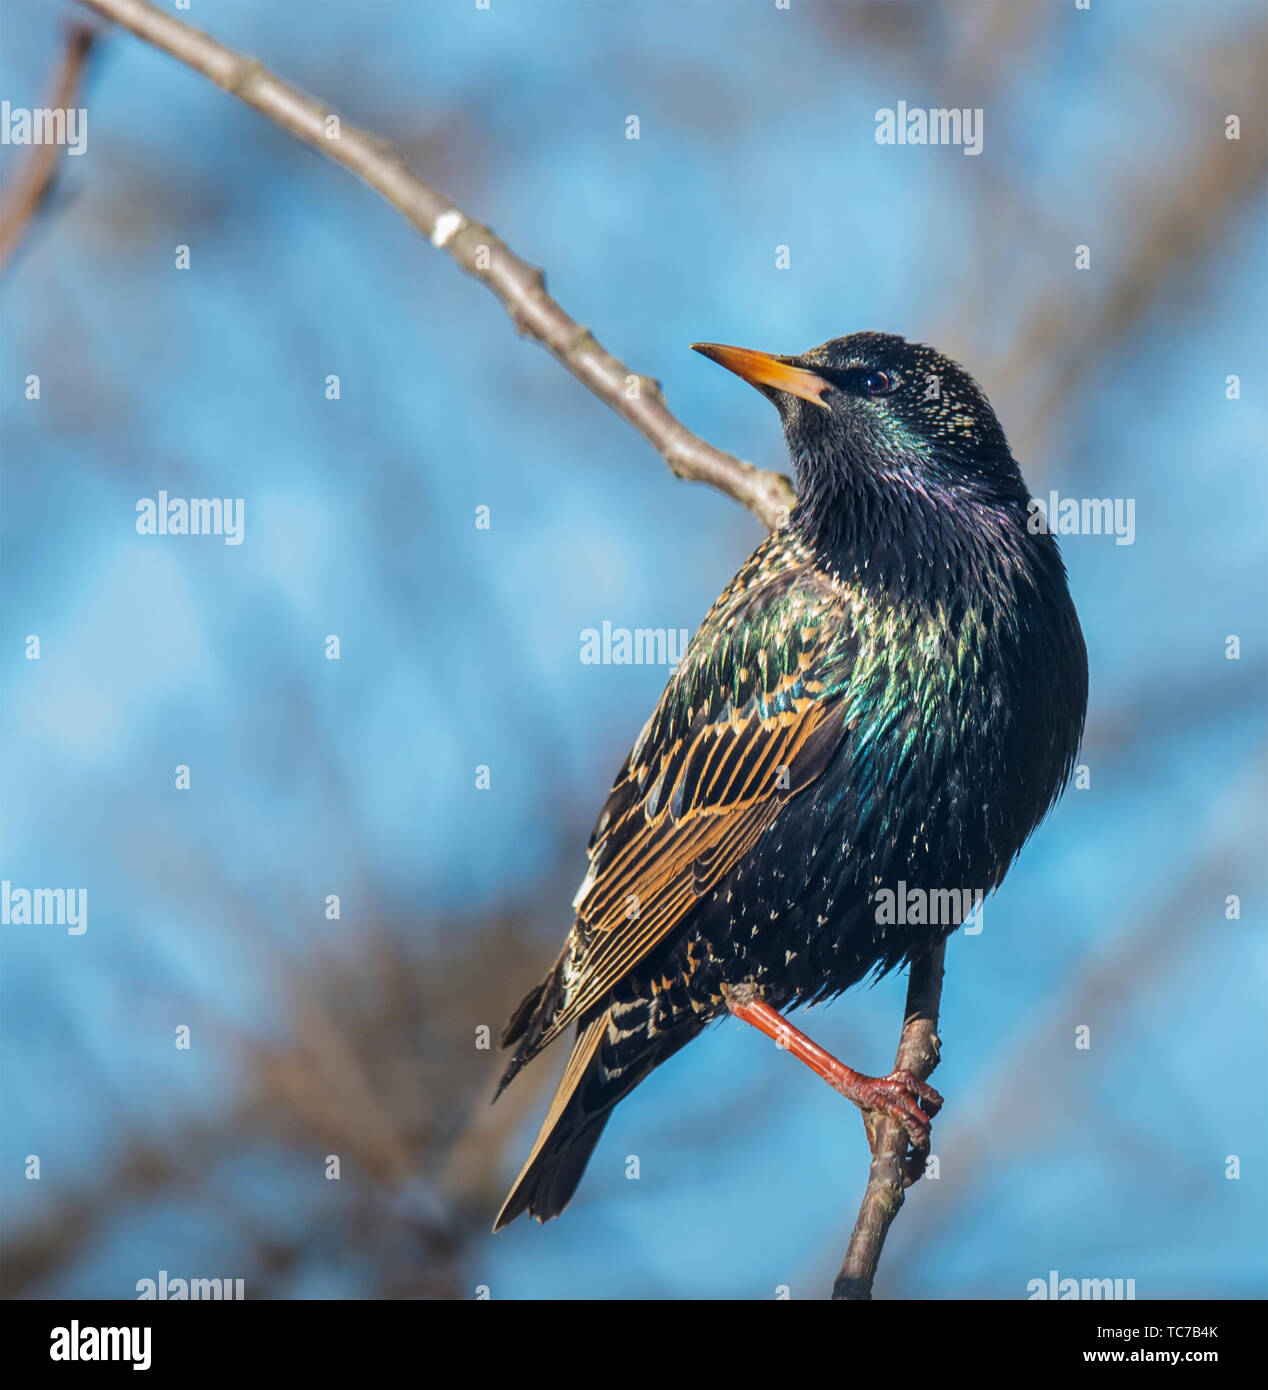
(520, 287)
(34, 181)
(917, 1053)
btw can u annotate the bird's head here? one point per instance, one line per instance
(873, 413)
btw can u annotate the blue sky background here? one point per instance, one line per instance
(461, 647)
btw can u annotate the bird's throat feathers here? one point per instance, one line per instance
(909, 529)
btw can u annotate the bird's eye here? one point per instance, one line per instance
(878, 383)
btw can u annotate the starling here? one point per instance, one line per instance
(887, 698)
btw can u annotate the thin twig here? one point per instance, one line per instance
(520, 287)
(34, 181)
(918, 1054)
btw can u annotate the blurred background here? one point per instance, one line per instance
(460, 647)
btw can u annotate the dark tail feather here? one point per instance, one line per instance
(546, 1185)
(600, 1072)
(568, 1134)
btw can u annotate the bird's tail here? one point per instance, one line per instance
(604, 1066)
(568, 1134)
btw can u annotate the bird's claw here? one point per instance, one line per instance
(903, 1097)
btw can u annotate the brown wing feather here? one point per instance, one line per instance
(669, 864)
(700, 788)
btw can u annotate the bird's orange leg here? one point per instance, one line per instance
(900, 1095)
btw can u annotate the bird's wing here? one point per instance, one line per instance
(750, 718)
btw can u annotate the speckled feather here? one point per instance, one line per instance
(891, 689)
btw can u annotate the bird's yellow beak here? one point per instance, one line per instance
(763, 369)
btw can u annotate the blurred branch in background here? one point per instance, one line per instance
(378, 1066)
(1174, 219)
(1184, 213)
(35, 180)
(520, 287)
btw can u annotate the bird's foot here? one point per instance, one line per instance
(900, 1096)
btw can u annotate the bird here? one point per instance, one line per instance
(888, 696)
